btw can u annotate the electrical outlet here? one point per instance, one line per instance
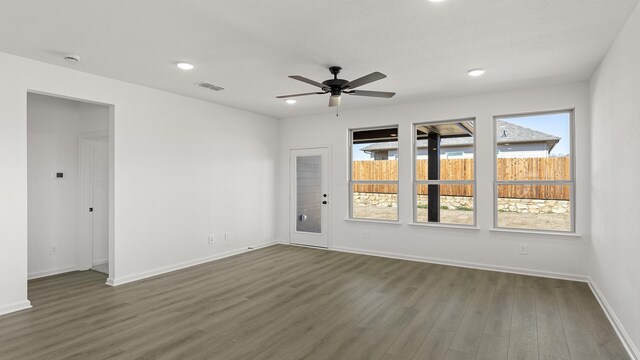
(211, 237)
(365, 235)
(524, 249)
(227, 236)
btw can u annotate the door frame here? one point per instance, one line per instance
(85, 172)
(292, 200)
(111, 123)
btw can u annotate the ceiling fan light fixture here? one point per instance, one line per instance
(334, 100)
(476, 72)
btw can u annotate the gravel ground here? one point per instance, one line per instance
(560, 222)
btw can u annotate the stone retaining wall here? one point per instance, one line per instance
(522, 206)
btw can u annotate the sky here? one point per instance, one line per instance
(553, 124)
(358, 154)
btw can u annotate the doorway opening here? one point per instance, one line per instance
(69, 190)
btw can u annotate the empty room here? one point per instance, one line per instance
(297, 179)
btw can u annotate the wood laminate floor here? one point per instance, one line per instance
(286, 302)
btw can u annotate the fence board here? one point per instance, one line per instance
(552, 168)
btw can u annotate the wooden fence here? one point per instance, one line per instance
(553, 168)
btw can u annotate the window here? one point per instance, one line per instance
(373, 182)
(444, 179)
(534, 187)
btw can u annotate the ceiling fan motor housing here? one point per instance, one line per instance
(335, 85)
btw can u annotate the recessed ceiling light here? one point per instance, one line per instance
(184, 66)
(436, 0)
(476, 72)
(290, 101)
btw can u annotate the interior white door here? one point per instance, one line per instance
(310, 199)
(93, 244)
(100, 214)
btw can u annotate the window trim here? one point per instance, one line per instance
(571, 182)
(416, 182)
(351, 182)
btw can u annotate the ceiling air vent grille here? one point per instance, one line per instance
(210, 86)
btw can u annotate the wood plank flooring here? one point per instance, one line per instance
(286, 302)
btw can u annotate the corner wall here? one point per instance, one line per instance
(615, 217)
(549, 255)
(182, 168)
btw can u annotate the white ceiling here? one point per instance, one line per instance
(249, 47)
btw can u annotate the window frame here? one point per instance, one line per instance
(416, 182)
(351, 182)
(571, 182)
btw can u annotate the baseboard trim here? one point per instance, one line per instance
(115, 281)
(629, 346)
(260, 246)
(22, 305)
(100, 262)
(465, 264)
(40, 274)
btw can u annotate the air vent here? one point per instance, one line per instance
(210, 86)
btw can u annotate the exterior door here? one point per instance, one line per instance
(310, 198)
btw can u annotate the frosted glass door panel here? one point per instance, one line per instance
(309, 194)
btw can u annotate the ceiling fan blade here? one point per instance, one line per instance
(294, 95)
(380, 94)
(308, 81)
(374, 76)
(334, 101)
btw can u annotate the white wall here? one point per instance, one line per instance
(54, 126)
(170, 187)
(615, 217)
(548, 254)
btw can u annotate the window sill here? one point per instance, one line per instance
(534, 232)
(450, 226)
(386, 222)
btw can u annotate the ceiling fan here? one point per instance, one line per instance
(337, 87)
